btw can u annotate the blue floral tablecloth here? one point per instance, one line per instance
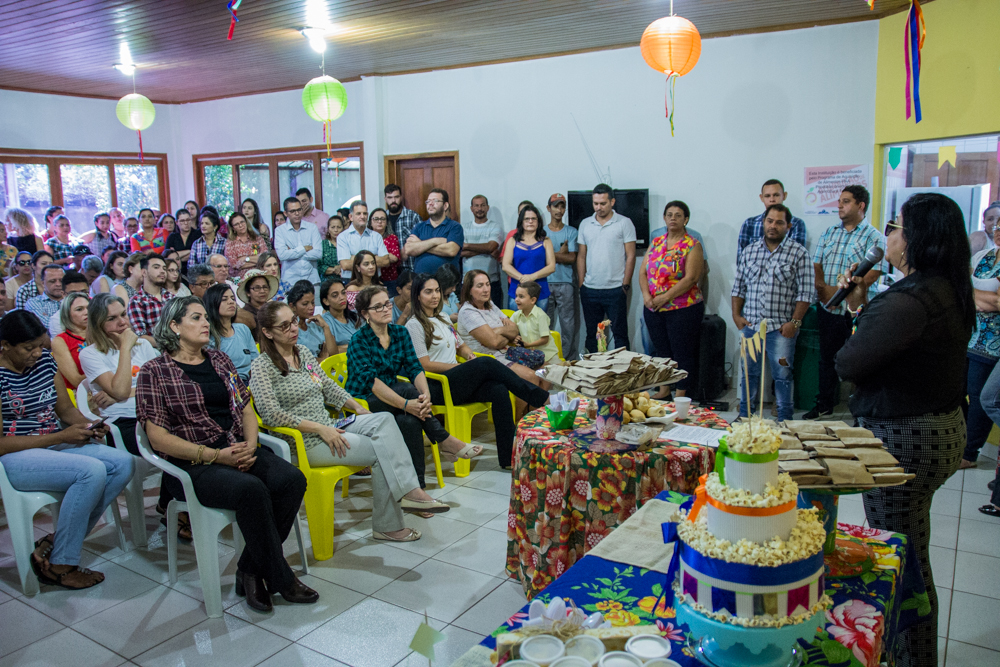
(869, 610)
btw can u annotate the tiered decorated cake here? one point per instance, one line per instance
(748, 557)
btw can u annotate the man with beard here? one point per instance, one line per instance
(144, 308)
(774, 282)
(482, 238)
(401, 219)
(437, 240)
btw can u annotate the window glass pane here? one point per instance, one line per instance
(341, 182)
(86, 190)
(255, 183)
(26, 186)
(294, 175)
(137, 187)
(219, 188)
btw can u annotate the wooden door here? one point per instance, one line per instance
(417, 175)
(972, 169)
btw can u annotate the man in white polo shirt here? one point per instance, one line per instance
(482, 239)
(359, 237)
(605, 260)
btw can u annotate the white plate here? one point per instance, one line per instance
(665, 420)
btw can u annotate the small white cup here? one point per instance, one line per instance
(659, 662)
(619, 659)
(648, 647)
(571, 661)
(681, 405)
(520, 663)
(542, 650)
(587, 647)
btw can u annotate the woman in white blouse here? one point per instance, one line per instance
(481, 379)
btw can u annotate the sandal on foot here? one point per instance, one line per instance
(364, 472)
(965, 465)
(65, 579)
(464, 453)
(413, 536)
(431, 506)
(990, 510)
(183, 526)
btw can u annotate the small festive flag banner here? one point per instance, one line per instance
(946, 154)
(425, 638)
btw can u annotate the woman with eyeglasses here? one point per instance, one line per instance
(175, 284)
(290, 389)
(379, 353)
(243, 247)
(378, 221)
(183, 237)
(20, 274)
(916, 329)
(271, 265)
(314, 331)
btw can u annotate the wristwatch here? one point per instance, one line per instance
(796, 323)
(627, 288)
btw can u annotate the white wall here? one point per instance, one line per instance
(755, 107)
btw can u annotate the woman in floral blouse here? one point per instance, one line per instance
(244, 246)
(674, 306)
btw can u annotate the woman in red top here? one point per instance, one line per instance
(379, 222)
(66, 346)
(149, 237)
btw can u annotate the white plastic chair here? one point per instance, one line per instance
(134, 498)
(206, 523)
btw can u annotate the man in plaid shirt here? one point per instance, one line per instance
(840, 246)
(774, 282)
(402, 219)
(144, 308)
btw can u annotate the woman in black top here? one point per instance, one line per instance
(906, 358)
(183, 236)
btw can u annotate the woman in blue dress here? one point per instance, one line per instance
(528, 255)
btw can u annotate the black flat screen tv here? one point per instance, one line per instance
(633, 204)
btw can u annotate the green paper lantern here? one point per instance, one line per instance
(135, 112)
(324, 99)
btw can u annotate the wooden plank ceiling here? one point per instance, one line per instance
(180, 46)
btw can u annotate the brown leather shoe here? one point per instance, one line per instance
(299, 593)
(252, 586)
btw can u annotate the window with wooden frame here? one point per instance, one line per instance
(82, 183)
(225, 180)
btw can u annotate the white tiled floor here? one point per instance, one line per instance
(373, 594)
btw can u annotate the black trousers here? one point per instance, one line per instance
(266, 499)
(834, 330)
(411, 427)
(486, 380)
(677, 334)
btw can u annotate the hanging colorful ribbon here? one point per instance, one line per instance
(232, 7)
(871, 4)
(700, 496)
(913, 44)
(139, 132)
(668, 100)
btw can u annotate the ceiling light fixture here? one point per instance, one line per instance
(316, 37)
(126, 66)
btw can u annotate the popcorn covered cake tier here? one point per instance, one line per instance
(747, 555)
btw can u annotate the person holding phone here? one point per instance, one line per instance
(40, 454)
(290, 389)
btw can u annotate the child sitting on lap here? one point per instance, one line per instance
(532, 322)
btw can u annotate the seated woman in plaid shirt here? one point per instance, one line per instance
(197, 412)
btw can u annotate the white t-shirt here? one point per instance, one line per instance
(95, 365)
(443, 349)
(605, 250)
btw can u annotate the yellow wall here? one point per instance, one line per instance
(960, 77)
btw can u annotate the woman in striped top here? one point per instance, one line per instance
(38, 454)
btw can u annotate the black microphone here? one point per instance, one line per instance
(872, 257)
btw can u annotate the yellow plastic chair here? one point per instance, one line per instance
(557, 338)
(508, 313)
(336, 367)
(320, 491)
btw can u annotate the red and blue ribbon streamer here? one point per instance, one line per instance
(232, 7)
(913, 43)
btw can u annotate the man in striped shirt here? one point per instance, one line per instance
(774, 282)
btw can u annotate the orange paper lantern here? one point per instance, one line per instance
(671, 45)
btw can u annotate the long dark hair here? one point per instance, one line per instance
(20, 326)
(936, 244)
(324, 292)
(356, 269)
(419, 282)
(109, 270)
(266, 317)
(539, 233)
(213, 300)
(298, 291)
(256, 222)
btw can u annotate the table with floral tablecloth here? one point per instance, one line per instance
(869, 610)
(571, 489)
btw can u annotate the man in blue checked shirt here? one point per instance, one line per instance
(772, 192)
(840, 246)
(774, 281)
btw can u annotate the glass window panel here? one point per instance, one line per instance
(294, 175)
(137, 187)
(255, 183)
(86, 190)
(26, 186)
(341, 182)
(219, 188)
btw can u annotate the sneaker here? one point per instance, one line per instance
(816, 413)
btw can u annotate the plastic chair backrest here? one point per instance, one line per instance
(508, 313)
(557, 339)
(146, 450)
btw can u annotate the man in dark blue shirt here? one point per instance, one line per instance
(438, 239)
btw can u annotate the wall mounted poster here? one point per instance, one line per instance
(824, 185)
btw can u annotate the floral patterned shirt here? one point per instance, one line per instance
(665, 267)
(391, 272)
(985, 340)
(237, 250)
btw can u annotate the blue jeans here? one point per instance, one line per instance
(598, 303)
(781, 361)
(90, 476)
(978, 424)
(541, 303)
(989, 398)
